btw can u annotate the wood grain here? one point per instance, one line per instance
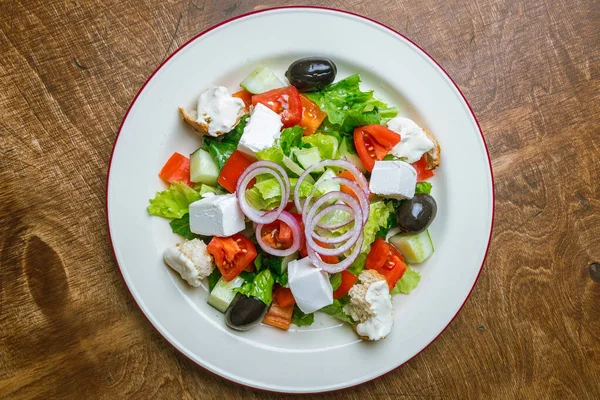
(68, 71)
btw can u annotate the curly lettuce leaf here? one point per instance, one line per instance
(423, 187)
(348, 107)
(260, 287)
(222, 147)
(326, 144)
(336, 310)
(266, 193)
(290, 137)
(173, 202)
(407, 283)
(301, 319)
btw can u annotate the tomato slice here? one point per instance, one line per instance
(277, 235)
(386, 260)
(373, 142)
(232, 254)
(284, 296)
(246, 98)
(302, 249)
(235, 165)
(422, 171)
(312, 116)
(284, 101)
(327, 259)
(348, 280)
(176, 169)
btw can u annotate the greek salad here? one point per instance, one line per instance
(305, 195)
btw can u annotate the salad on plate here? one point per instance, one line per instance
(305, 195)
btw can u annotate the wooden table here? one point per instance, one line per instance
(69, 70)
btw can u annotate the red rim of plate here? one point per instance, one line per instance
(302, 8)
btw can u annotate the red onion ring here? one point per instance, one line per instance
(337, 267)
(362, 197)
(360, 178)
(335, 239)
(311, 223)
(290, 221)
(259, 168)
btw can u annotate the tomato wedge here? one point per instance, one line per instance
(176, 169)
(235, 165)
(246, 98)
(232, 254)
(348, 280)
(312, 116)
(284, 101)
(422, 171)
(373, 142)
(277, 235)
(284, 296)
(385, 259)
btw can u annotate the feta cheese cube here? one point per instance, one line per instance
(394, 179)
(191, 259)
(310, 286)
(262, 130)
(218, 215)
(414, 142)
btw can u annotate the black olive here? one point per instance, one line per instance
(311, 73)
(245, 312)
(415, 215)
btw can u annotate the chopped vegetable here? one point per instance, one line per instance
(373, 142)
(422, 171)
(279, 316)
(284, 296)
(312, 116)
(173, 202)
(176, 169)
(235, 165)
(222, 147)
(336, 310)
(326, 144)
(407, 283)
(223, 293)
(232, 254)
(347, 280)
(203, 168)
(415, 248)
(299, 318)
(181, 226)
(290, 137)
(261, 80)
(386, 260)
(261, 287)
(284, 101)
(246, 98)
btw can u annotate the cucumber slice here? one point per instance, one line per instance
(415, 248)
(307, 157)
(203, 169)
(261, 80)
(292, 166)
(222, 295)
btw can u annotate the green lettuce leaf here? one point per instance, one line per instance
(222, 147)
(348, 107)
(173, 202)
(326, 144)
(290, 137)
(261, 287)
(335, 310)
(273, 153)
(181, 226)
(359, 264)
(301, 319)
(423, 187)
(379, 214)
(335, 280)
(266, 194)
(407, 283)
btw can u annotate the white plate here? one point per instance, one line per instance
(327, 355)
